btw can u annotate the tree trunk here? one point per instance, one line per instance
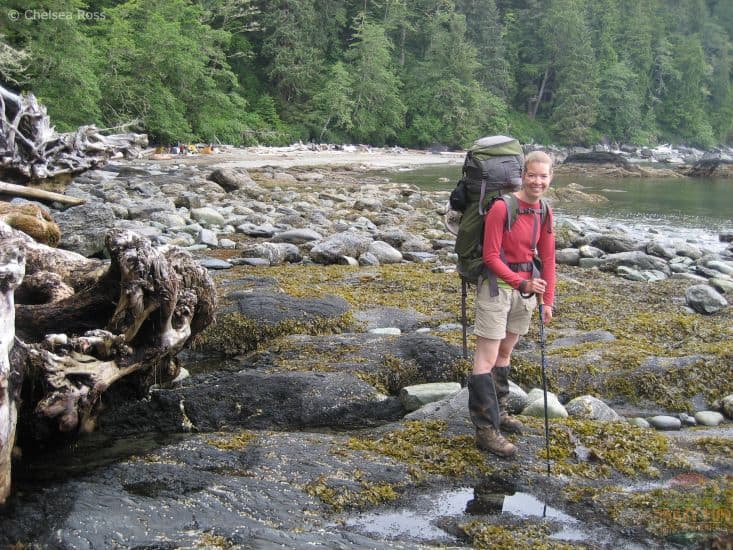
(535, 102)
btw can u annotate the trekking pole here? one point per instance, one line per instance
(464, 321)
(543, 363)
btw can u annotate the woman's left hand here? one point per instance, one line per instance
(546, 315)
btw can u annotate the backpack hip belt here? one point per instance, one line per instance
(524, 266)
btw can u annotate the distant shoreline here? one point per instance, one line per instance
(290, 157)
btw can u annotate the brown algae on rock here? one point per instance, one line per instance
(424, 446)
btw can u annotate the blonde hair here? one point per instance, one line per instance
(537, 156)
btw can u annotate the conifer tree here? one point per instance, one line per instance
(378, 110)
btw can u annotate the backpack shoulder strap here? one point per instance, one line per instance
(512, 209)
(545, 207)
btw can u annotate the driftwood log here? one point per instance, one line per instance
(83, 325)
(31, 150)
(39, 194)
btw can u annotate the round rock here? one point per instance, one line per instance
(664, 422)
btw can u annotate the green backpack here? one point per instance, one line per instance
(492, 168)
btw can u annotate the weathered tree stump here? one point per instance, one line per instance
(31, 150)
(82, 325)
(12, 269)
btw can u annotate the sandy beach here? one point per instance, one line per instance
(297, 156)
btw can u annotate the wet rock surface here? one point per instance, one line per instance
(299, 438)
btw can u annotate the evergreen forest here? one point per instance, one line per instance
(415, 73)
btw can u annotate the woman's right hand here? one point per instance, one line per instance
(535, 286)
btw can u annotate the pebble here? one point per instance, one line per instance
(386, 331)
(709, 418)
(687, 420)
(664, 422)
(727, 405)
(414, 397)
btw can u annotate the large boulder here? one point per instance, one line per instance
(83, 228)
(344, 244)
(635, 259)
(705, 299)
(233, 179)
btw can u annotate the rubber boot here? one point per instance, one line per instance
(501, 383)
(483, 408)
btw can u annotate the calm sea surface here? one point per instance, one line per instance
(700, 203)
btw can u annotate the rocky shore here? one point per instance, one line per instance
(327, 405)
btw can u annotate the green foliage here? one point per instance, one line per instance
(445, 103)
(528, 130)
(378, 110)
(485, 31)
(682, 112)
(292, 59)
(65, 79)
(575, 98)
(12, 63)
(166, 68)
(619, 118)
(416, 73)
(213, 121)
(333, 104)
(719, 50)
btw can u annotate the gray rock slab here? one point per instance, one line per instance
(215, 263)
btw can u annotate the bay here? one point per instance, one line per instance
(690, 209)
(693, 202)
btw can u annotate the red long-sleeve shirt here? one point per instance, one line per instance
(516, 245)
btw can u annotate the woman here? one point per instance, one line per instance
(505, 303)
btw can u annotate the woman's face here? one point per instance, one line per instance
(536, 179)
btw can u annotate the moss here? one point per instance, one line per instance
(423, 445)
(673, 388)
(395, 285)
(594, 449)
(716, 445)
(485, 535)
(705, 508)
(340, 497)
(233, 443)
(296, 355)
(209, 540)
(585, 494)
(234, 334)
(646, 319)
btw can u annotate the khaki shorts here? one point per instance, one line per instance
(507, 312)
